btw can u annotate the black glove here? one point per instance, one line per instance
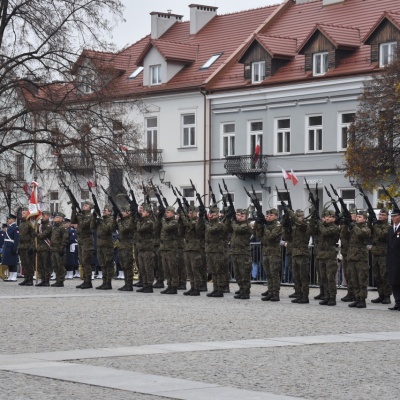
(61, 253)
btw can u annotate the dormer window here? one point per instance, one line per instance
(136, 73)
(257, 71)
(155, 74)
(320, 63)
(387, 53)
(211, 61)
(86, 80)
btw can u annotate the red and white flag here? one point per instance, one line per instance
(92, 183)
(34, 208)
(257, 151)
(124, 148)
(285, 174)
(293, 177)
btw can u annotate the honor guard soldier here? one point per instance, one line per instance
(71, 260)
(59, 240)
(26, 248)
(10, 248)
(393, 257)
(43, 248)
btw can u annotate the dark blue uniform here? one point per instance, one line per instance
(72, 249)
(10, 247)
(2, 236)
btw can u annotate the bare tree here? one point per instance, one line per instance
(58, 110)
(373, 153)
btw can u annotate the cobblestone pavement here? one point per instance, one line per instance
(46, 320)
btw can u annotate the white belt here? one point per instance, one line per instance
(9, 240)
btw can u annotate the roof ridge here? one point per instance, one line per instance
(249, 9)
(337, 26)
(275, 36)
(175, 42)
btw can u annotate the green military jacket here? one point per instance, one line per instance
(240, 239)
(270, 236)
(169, 234)
(145, 234)
(59, 238)
(126, 232)
(359, 237)
(215, 236)
(84, 229)
(193, 231)
(105, 228)
(26, 235)
(380, 234)
(328, 236)
(298, 237)
(344, 239)
(44, 236)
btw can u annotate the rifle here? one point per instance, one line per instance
(312, 200)
(115, 207)
(257, 205)
(288, 194)
(185, 202)
(223, 196)
(212, 195)
(392, 200)
(132, 201)
(371, 213)
(202, 208)
(287, 221)
(146, 195)
(96, 207)
(163, 197)
(178, 200)
(231, 206)
(160, 202)
(71, 196)
(346, 212)
(334, 202)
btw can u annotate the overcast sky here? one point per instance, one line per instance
(137, 14)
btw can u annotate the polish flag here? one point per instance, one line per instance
(285, 174)
(92, 184)
(34, 209)
(293, 177)
(257, 151)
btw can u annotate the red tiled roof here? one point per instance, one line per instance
(278, 45)
(394, 18)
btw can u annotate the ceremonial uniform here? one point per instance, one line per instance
(10, 248)
(393, 257)
(43, 249)
(26, 250)
(344, 248)
(59, 240)
(71, 260)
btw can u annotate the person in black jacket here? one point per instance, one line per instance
(393, 258)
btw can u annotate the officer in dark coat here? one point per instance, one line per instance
(10, 248)
(2, 237)
(71, 261)
(393, 258)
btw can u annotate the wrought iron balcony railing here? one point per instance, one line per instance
(76, 161)
(146, 158)
(243, 166)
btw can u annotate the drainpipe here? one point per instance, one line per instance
(205, 185)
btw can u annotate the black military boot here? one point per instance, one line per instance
(173, 290)
(138, 284)
(238, 295)
(195, 292)
(102, 285)
(29, 282)
(303, 300)
(86, 285)
(127, 288)
(122, 288)
(148, 289)
(165, 291)
(324, 302)
(182, 286)
(349, 297)
(158, 285)
(295, 295)
(296, 299)
(361, 304)
(237, 292)
(268, 297)
(320, 295)
(225, 289)
(386, 300)
(187, 293)
(354, 303)
(377, 300)
(58, 284)
(245, 295)
(203, 287)
(80, 285)
(275, 297)
(141, 290)
(218, 293)
(41, 283)
(331, 302)
(211, 293)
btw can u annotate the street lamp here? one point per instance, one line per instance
(263, 182)
(161, 175)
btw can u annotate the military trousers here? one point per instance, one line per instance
(170, 265)
(379, 270)
(86, 253)
(181, 267)
(328, 269)
(359, 274)
(158, 267)
(126, 260)
(347, 275)
(146, 260)
(27, 262)
(273, 266)
(301, 264)
(294, 266)
(242, 271)
(193, 263)
(44, 265)
(58, 263)
(105, 255)
(217, 265)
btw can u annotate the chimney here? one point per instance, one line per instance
(303, 1)
(200, 16)
(161, 22)
(328, 2)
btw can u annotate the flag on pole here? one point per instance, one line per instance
(34, 209)
(285, 174)
(257, 151)
(293, 177)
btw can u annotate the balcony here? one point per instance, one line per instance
(245, 166)
(75, 162)
(146, 158)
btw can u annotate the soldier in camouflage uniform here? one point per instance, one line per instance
(344, 248)
(379, 251)
(145, 246)
(159, 270)
(169, 249)
(105, 246)
(270, 236)
(328, 235)
(300, 237)
(192, 228)
(59, 240)
(26, 248)
(85, 242)
(126, 230)
(358, 258)
(216, 256)
(241, 253)
(181, 261)
(43, 249)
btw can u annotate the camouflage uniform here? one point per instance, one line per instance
(85, 244)
(43, 249)
(241, 255)
(216, 255)
(158, 267)
(379, 268)
(358, 260)
(193, 230)
(271, 235)
(26, 251)
(344, 248)
(127, 230)
(59, 240)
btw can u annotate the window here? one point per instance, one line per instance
(54, 201)
(136, 73)
(20, 166)
(349, 196)
(387, 53)
(87, 80)
(188, 194)
(283, 135)
(314, 133)
(211, 61)
(256, 135)
(188, 130)
(155, 74)
(228, 139)
(345, 120)
(151, 138)
(320, 63)
(257, 71)
(84, 194)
